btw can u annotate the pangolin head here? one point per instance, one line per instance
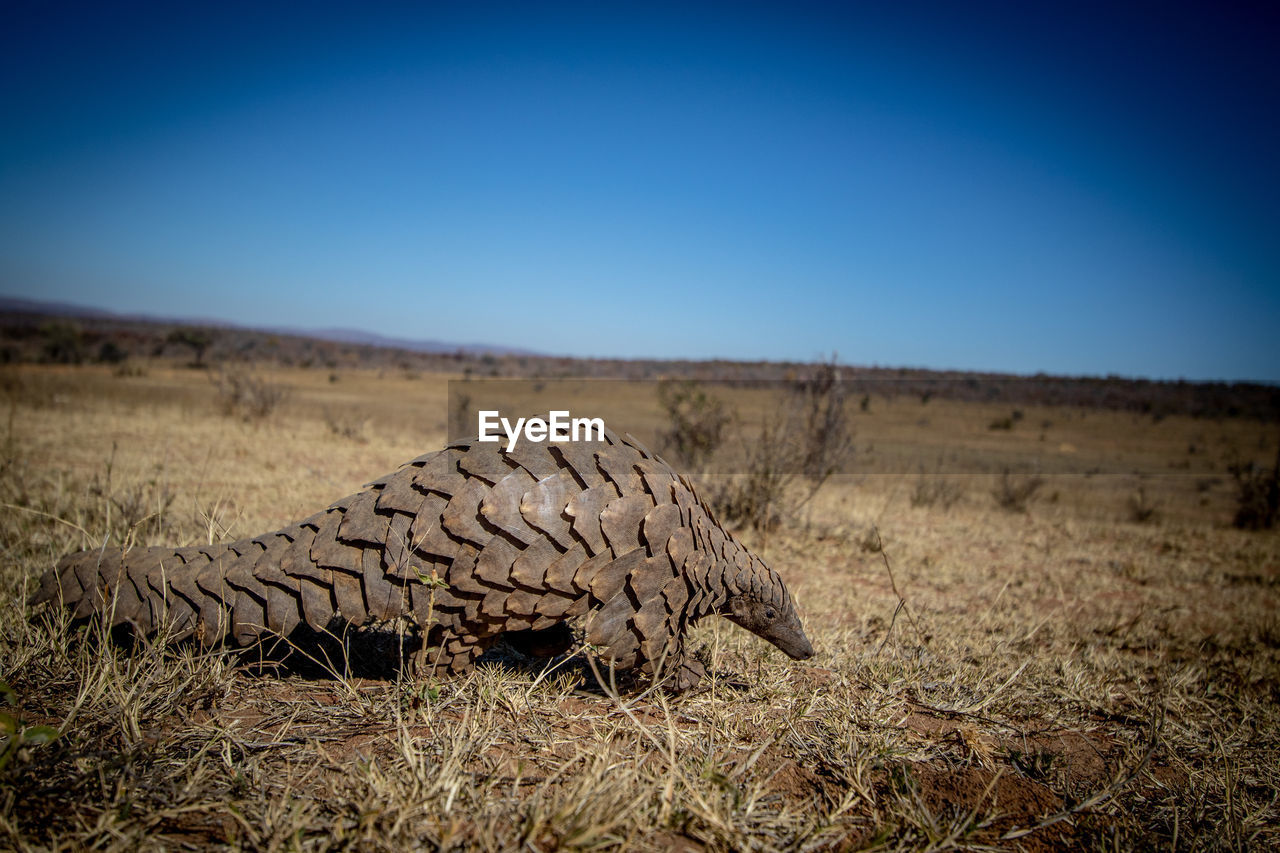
(759, 602)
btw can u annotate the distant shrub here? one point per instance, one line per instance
(63, 343)
(111, 353)
(807, 438)
(939, 491)
(198, 339)
(1141, 508)
(345, 425)
(697, 422)
(241, 393)
(1006, 423)
(1257, 495)
(1015, 493)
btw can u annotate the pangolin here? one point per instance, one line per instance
(471, 542)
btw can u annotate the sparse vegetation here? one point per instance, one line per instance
(697, 422)
(1257, 494)
(244, 394)
(198, 339)
(63, 342)
(345, 424)
(803, 440)
(1141, 509)
(1015, 493)
(944, 492)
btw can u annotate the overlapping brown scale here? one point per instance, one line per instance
(676, 592)
(618, 462)
(554, 605)
(396, 493)
(530, 568)
(659, 480)
(659, 525)
(579, 607)
(328, 552)
(317, 603)
(587, 570)
(383, 600)
(184, 582)
(361, 523)
(608, 625)
(462, 575)
(84, 574)
(283, 613)
(534, 457)
(439, 473)
(630, 439)
(620, 521)
(494, 606)
(688, 503)
(397, 555)
(461, 518)
(580, 457)
(138, 577)
(121, 591)
(585, 510)
(348, 594)
(429, 608)
(651, 621)
(427, 535)
(522, 602)
(248, 617)
(501, 507)
(295, 557)
(543, 506)
(121, 599)
(483, 463)
(648, 578)
(168, 606)
(679, 546)
(562, 572)
(493, 563)
(609, 580)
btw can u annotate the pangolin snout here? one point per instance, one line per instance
(796, 645)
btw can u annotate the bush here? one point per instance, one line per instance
(198, 339)
(807, 439)
(111, 353)
(246, 395)
(697, 422)
(63, 343)
(937, 490)
(1015, 493)
(1141, 509)
(1257, 495)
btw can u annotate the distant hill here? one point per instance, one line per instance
(59, 333)
(19, 305)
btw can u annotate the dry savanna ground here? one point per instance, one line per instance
(1098, 668)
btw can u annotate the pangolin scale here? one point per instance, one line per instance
(471, 542)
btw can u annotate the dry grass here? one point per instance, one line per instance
(1058, 678)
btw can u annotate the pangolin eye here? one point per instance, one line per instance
(769, 613)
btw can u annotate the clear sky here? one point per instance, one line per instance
(1073, 188)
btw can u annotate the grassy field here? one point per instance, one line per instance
(1098, 670)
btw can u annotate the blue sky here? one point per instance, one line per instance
(1069, 188)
